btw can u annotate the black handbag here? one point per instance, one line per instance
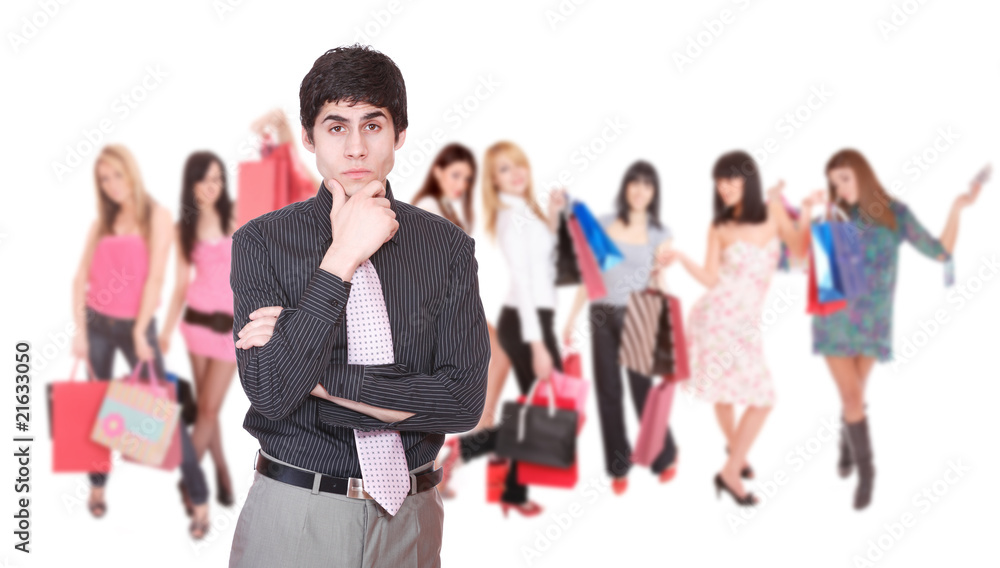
(567, 268)
(543, 435)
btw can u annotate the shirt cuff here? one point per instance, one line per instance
(325, 297)
(332, 414)
(344, 380)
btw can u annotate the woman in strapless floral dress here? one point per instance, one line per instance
(727, 357)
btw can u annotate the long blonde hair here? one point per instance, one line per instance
(491, 193)
(121, 158)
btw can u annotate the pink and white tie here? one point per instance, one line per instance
(369, 342)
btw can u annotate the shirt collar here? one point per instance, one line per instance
(511, 199)
(323, 202)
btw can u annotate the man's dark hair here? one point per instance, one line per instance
(355, 73)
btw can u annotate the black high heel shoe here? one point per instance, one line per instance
(720, 486)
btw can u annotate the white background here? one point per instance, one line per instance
(557, 84)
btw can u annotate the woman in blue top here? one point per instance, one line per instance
(852, 339)
(636, 230)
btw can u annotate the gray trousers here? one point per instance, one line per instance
(284, 525)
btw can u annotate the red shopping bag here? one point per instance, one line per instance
(74, 408)
(654, 423)
(300, 183)
(546, 475)
(682, 370)
(571, 363)
(172, 458)
(255, 189)
(272, 182)
(496, 478)
(572, 387)
(590, 272)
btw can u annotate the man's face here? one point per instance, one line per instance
(353, 144)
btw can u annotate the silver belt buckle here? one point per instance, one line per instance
(356, 488)
(413, 483)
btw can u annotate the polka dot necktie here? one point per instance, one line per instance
(369, 342)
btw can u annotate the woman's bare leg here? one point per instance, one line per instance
(864, 366)
(727, 423)
(746, 433)
(497, 375)
(215, 384)
(850, 385)
(850, 374)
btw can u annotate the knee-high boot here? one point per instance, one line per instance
(861, 449)
(845, 463)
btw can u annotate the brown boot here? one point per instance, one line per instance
(845, 464)
(861, 450)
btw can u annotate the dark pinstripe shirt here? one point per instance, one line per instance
(440, 339)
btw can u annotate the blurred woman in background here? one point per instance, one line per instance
(727, 355)
(852, 339)
(132, 235)
(204, 235)
(526, 326)
(636, 230)
(447, 191)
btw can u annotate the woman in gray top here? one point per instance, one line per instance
(636, 230)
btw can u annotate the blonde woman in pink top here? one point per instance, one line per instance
(204, 234)
(115, 294)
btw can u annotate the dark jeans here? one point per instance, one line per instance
(606, 334)
(519, 353)
(106, 334)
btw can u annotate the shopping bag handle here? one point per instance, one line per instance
(831, 209)
(154, 380)
(523, 412)
(76, 362)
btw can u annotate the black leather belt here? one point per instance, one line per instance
(349, 486)
(220, 322)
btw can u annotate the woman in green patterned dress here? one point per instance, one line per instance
(852, 339)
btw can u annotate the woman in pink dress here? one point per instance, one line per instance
(115, 294)
(727, 356)
(205, 236)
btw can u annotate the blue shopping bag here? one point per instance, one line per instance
(848, 257)
(605, 251)
(828, 283)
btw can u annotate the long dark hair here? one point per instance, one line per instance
(641, 171)
(195, 170)
(447, 156)
(752, 207)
